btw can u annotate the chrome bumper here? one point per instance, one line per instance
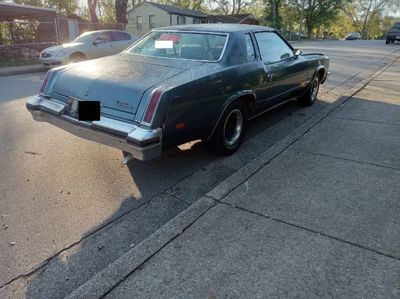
(143, 144)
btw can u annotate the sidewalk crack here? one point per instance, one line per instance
(388, 255)
(344, 159)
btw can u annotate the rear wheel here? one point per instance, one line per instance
(310, 96)
(230, 131)
(77, 57)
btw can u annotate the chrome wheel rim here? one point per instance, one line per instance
(314, 89)
(233, 127)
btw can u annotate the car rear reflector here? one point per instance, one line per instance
(45, 81)
(151, 107)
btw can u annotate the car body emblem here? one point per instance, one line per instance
(123, 104)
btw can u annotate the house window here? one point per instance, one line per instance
(152, 24)
(139, 22)
(180, 20)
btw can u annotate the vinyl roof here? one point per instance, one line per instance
(213, 27)
(231, 18)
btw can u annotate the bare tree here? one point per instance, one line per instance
(121, 7)
(233, 6)
(362, 12)
(92, 4)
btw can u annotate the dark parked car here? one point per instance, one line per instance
(393, 34)
(353, 36)
(178, 84)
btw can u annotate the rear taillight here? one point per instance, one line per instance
(45, 81)
(151, 107)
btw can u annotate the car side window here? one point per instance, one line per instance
(251, 54)
(104, 37)
(272, 47)
(120, 36)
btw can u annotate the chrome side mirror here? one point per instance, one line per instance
(297, 52)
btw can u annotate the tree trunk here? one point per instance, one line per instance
(120, 11)
(309, 30)
(366, 19)
(92, 10)
(274, 17)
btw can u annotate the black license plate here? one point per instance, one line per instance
(89, 110)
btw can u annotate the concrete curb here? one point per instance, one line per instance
(100, 284)
(116, 272)
(24, 69)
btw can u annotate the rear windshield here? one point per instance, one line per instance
(181, 45)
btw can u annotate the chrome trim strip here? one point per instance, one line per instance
(280, 94)
(271, 108)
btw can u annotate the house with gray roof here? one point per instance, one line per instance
(148, 15)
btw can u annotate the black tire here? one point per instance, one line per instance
(310, 95)
(387, 41)
(77, 57)
(230, 131)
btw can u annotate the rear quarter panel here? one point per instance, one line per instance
(198, 96)
(198, 103)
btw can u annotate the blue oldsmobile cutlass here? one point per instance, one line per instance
(178, 84)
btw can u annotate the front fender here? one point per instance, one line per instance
(317, 70)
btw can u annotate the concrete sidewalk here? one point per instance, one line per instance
(21, 69)
(315, 217)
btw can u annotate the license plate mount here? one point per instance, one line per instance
(89, 110)
(84, 110)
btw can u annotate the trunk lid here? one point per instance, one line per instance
(117, 82)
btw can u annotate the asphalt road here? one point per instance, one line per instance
(68, 207)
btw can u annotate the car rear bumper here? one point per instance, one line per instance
(142, 143)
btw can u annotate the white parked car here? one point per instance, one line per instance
(89, 45)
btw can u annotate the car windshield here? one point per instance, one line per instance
(181, 45)
(84, 38)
